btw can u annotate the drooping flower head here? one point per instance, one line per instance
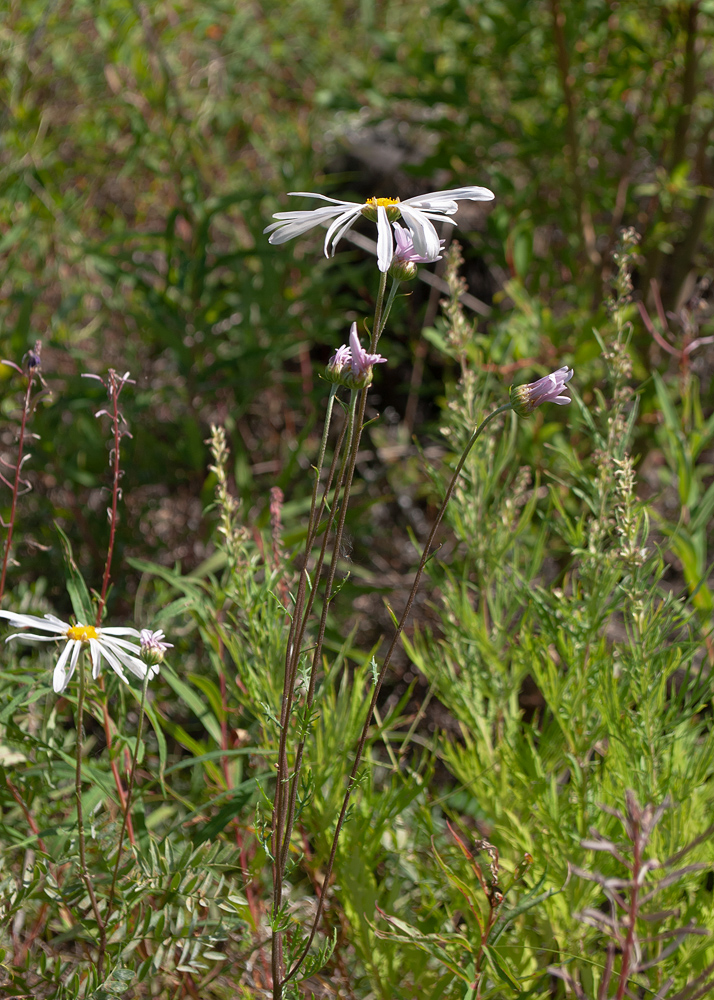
(405, 259)
(416, 212)
(103, 643)
(352, 366)
(525, 398)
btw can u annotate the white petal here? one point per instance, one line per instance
(116, 658)
(59, 677)
(57, 621)
(349, 219)
(36, 638)
(113, 643)
(120, 631)
(96, 652)
(425, 237)
(32, 621)
(73, 663)
(385, 243)
(442, 201)
(322, 197)
(296, 223)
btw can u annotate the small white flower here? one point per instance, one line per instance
(103, 643)
(416, 212)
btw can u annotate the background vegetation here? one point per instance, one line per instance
(560, 653)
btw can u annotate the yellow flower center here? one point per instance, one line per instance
(82, 633)
(372, 204)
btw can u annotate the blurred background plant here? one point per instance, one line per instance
(562, 648)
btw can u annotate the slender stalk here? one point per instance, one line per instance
(116, 476)
(317, 653)
(384, 316)
(286, 796)
(80, 818)
(382, 673)
(130, 789)
(16, 482)
(292, 659)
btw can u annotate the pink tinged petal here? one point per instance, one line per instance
(59, 677)
(358, 355)
(385, 247)
(425, 237)
(405, 244)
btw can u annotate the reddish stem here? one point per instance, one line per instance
(16, 483)
(116, 475)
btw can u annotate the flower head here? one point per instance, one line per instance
(405, 259)
(153, 647)
(103, 643)
(525, 398)
(338, 365)
(352, 366)
(416, 212)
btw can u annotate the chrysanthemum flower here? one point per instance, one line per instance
(416, 212)
(103, 643)
(525, 398)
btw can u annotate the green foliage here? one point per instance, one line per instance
(566, 645)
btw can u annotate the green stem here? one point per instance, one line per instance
(309, 699)
(379, 330)
(375, 694)
(297, 630)
(129, 791)
(80, 818)
(380, 317)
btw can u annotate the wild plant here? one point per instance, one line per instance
(574, 673)
(31, 370)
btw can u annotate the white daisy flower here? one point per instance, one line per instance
(416, 212)
(104, 643)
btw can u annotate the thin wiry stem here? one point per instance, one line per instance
(26, 409)
(84, 871)
(116, 476)
(382, 673)
(127, 805)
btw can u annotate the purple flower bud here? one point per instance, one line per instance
(352, 366)
(525, 398)
(361, 362)
(338, 367)
(405, 259)
(153, 647)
